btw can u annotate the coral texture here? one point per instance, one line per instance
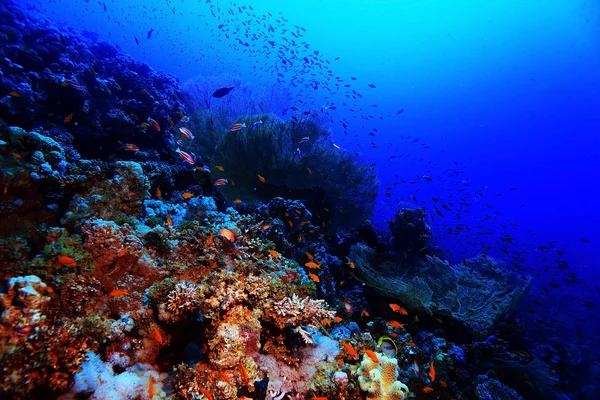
(378, 379)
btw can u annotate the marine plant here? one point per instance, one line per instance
(296, 159)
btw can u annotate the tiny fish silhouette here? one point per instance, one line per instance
(222, 92)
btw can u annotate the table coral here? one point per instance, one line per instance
(378, 379)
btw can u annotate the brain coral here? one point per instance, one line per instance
(378, 379)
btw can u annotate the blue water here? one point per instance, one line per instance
(503, 97)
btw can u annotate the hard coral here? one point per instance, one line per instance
(292, 312)
(378, 379)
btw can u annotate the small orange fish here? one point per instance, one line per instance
(364, 313)
(158, 193)
(372, 355)
(122, 252)
(427, 389)
(298, 212)
(291, 224)
(417, 319)
(337, 319)
(350, 350)
(398, 309)
(220, 168)
(187, 195)
(265, 227)
(410, 344)
(154, 124)
(312, 264)
(209, 240)
(319, 398)
(395, 324)
(314, 277)
(431, 371)
(443, 384)
(260, 178)
(171, 122)
(237, 201)
(144, 124)
(150, 387)
(310, 257)
(244, 373)
(68, 118)
(14, 94)
(169, 221)
(157, 335)
(205, 393)
(351, 264)
(309, 171)
(118, 293)
(225, 377)
(226, 233)
(274, 253)
(68, 261)
(394, 335)
(325, 321)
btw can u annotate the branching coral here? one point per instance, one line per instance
(291, 311)
(183, 298)
(378, 379)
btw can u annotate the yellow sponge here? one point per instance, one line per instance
(378, 379)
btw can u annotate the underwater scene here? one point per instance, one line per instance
(321, 200)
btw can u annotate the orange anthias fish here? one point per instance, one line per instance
(123, 251)
(395, 324)
(427, 389)
(205, 393)
(187, 195)
(225, 377)
(118, 293)
(157, 335)
(410, 344)
(209, 241)
(364, 313)
(169, 221)
(237, 127)
(313, 265)
(431, 371)
(244, 373)
(226, 233)
(68, 118)
(68, 261)
(220, 182)
(351, 264)
(325, 321)
(260, 178)
(372, 355)
(350, 350)
(158, 193)
(274, 253)
(14, 94)
(150, 387)
(237, 201)
(309, 171)
(337, 319)
(310, 257)
(398, 309)
(314, 277)
(443, 384)
(220, 168)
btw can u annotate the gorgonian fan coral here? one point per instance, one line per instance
(296, 159)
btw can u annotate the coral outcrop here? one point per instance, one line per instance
(379, 379)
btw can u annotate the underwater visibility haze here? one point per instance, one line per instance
(380, 200)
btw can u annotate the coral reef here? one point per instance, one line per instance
(378, 379)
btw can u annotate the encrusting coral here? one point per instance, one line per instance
(378, 379)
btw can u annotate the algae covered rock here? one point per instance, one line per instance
(378, 379)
